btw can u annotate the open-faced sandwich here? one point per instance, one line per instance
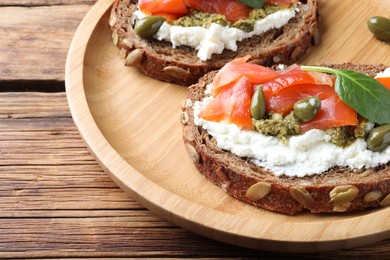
(293, 138)
(179, 41)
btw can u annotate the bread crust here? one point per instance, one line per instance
(180, 65)
(363, 188)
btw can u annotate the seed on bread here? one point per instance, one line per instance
(176, 72)
(343, 194)
(188, 134)
(342, 207)
(128, 42)
(185, 104)
(301, 195)
(123, 53)
(113, 19)
(372, 196)
(115, 37)
(191, 150)
(386, 201)
(258, 191)
(134, 57)
(184, 118)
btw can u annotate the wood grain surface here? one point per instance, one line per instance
(56, 201)
(34, 46)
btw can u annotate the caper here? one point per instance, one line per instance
(148, 26)
(380, 27)
(258, 104)
(306, 109)
(379, 138)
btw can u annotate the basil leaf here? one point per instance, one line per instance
(253, 3)
(361, 92)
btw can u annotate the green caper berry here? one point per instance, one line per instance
(380, 27)
(148, 26)
(257, 107)
(306, 109)
(379, 138)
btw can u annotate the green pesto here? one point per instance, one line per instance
(284, 127)
(279, 127)
(202, 19)
(345, 135)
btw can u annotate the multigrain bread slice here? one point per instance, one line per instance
(180, 65)
(354, 189)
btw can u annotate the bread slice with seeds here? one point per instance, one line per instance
(181, 65)
(339, 189)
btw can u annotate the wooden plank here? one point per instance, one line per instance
(130, 237)
(102, 237)
(41, 35)
(42, 154)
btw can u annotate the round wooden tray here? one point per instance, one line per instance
(130, 122)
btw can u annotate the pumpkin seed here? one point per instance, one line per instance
(258, 191)
(134, 57)
(343, 194)
(115, 37)
(176, 72)
(372, 196)
(301, 195)
(113, 20)
(192, 153)
(342, 208)
(184, 118)
(386, 201)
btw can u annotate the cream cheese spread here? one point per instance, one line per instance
(307, 154)
(216, 38)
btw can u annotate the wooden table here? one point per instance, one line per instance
(55, 200)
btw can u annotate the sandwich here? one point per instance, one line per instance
(293, 138)
(178, 41)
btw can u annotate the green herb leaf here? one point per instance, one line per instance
(253, 3)
(362, 93)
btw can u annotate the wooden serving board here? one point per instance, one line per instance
(131, 124)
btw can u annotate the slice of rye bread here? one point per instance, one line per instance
(352, 189)
(181, 65)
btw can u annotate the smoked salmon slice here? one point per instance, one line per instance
(238, 68)
(293, 85)
(295, 76)
(231, 105)
(233, 10)
(170, 9)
